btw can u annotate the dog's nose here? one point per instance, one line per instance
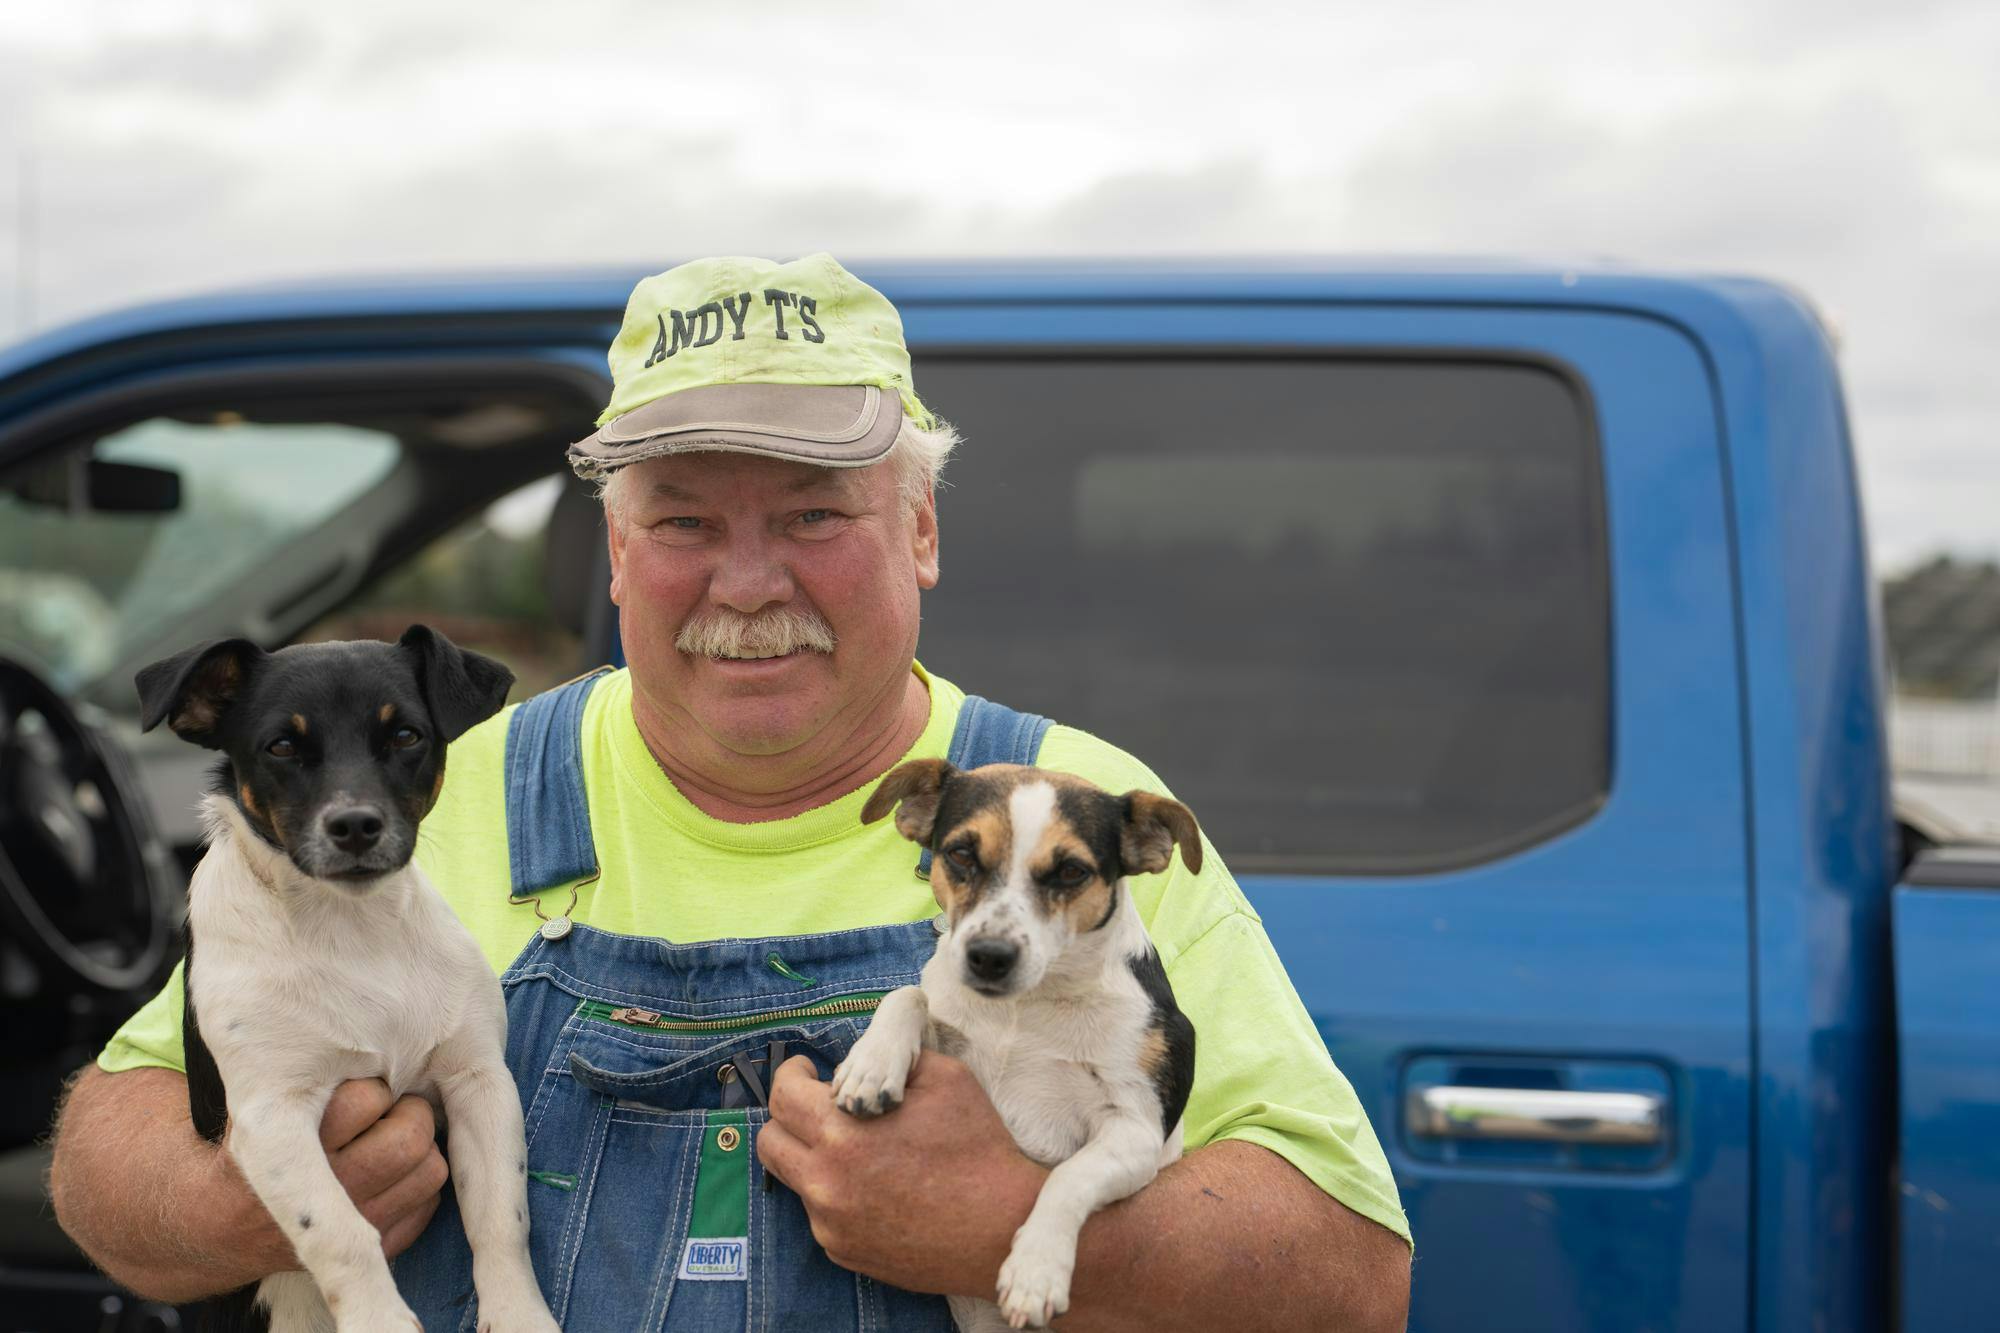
(355, 829)
(990, 960)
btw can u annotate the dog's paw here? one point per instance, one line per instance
(1034, 1282)
(869, 1082)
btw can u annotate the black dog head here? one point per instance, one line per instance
(335, 750)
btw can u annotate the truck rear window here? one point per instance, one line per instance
(1353, 611)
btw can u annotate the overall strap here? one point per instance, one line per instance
(990, 733)
(548, 815)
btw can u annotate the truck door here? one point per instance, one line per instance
(1947, 938)
(1427, 612)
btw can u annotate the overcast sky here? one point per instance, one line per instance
(1852, 149)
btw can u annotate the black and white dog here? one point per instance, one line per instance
(1045, 984)
(326, 956)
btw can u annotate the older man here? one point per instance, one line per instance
(769, 495)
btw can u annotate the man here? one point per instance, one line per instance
(769, 497)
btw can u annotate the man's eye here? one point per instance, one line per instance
(963, 858)
(282, 748)
(815, 516)
(404, 737)
(683, 522)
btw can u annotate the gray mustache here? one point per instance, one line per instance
(720, 632)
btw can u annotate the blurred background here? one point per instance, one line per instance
(149, 150)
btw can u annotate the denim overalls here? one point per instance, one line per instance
(643, 1067)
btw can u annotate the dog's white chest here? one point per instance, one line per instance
(1052, 1070)
(327, 991)
(1045, 1102)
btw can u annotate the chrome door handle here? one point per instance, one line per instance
(1544, 1115)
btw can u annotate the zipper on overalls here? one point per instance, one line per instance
(650, 1021)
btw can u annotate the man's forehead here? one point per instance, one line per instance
(708, 474)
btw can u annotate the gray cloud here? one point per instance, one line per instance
(1847, 148)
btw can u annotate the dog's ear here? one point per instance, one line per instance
(191, 690)
(1154, 825)
(918, 786)
(460, 688)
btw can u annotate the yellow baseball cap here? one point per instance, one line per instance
(800, 360)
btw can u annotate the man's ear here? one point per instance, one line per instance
(193, 689)
(919, 786)
(614, 538)
(460, 688)
(1154, 825)
(924, 541)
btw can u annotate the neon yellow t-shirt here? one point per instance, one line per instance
(1261, 1072)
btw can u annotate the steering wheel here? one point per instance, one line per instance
(86, 885)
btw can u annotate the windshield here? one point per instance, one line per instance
(78, 587)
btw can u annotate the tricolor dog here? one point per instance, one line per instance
(324, 955)
(1045, 984)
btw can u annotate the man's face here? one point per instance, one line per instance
(714, 538)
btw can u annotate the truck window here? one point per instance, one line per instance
(79, 587)
(1353, 611)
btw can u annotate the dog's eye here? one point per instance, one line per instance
(963, 858)
(1072, 873)
(282, 748)
(404, 737)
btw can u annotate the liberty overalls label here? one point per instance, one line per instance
(643, 1067)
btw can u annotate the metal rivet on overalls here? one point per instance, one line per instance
(728, 1137)
(726, 1074)
(555, 928)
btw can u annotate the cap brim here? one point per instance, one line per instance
(832, 425)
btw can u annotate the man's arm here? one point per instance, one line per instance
(1233, 1236)
(928, 1198)
(167, 1214)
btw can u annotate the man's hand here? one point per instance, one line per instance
(168, 1214)
(385, 1155)
(926, 1197)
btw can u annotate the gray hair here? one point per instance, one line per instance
(918, 455)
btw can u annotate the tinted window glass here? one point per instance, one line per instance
(484, 585)
(1353, 612)
(78, 586)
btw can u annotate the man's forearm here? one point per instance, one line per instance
(140, 1191)
(1233, 1236)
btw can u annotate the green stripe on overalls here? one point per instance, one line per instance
(722, 1189)
(718, 1235)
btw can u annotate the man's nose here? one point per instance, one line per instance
(750, 574)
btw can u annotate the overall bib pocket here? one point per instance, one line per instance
(642, 1163)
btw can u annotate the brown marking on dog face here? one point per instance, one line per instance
(256, 814)
(387, 711)
(968, 814)
(1080, 839)
(1060, 853)
(299, 724)
(984, 836)
(266, 821)
(417, 802)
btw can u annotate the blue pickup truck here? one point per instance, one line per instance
(1511, 630)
